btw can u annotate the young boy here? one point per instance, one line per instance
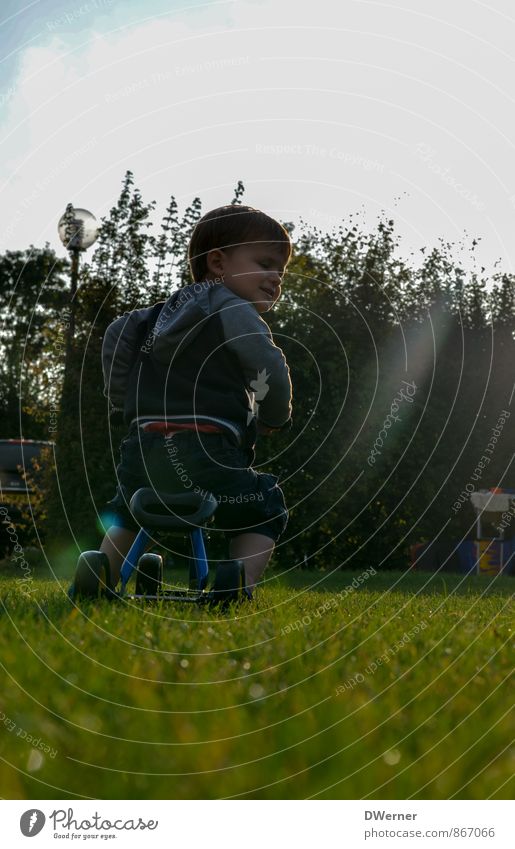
(198, 377)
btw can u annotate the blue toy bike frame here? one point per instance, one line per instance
(138, 548)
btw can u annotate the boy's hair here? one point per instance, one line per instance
(230, 227)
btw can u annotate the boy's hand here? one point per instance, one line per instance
(266, 430)
(263, 430)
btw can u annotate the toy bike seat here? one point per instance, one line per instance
(165, 510)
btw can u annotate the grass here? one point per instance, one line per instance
(395, 689)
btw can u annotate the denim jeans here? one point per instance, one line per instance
(191, 461)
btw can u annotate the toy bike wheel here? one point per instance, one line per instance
(92, 576)
(149, 575)
(229, 583)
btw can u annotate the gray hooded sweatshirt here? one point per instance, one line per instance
(184, 325)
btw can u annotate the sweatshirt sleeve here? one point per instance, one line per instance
(264, 365)
(118, 351)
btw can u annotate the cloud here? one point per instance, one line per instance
(321, 110)
(77, 117)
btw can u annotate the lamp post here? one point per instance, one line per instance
(78, 230)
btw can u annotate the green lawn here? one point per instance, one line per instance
(398, 688)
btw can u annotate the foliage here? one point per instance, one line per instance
(32, 297)
(357, 321)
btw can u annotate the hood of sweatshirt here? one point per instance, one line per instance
(185, 314)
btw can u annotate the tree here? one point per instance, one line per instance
(366, 470)
(32, 296)
(130, 268)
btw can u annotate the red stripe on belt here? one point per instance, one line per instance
(165, 428)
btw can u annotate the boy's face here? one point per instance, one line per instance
(253, 271)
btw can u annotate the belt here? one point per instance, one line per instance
(164, 428)
(207, 424)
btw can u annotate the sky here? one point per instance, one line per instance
(322, 109)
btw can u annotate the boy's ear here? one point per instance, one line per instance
(215, 262)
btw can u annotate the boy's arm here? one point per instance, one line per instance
(119, 347)
(264, 364)
(262, 430)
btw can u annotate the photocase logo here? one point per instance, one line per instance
(260, 388)
(31, 822)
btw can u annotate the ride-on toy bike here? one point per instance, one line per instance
(92, 575)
